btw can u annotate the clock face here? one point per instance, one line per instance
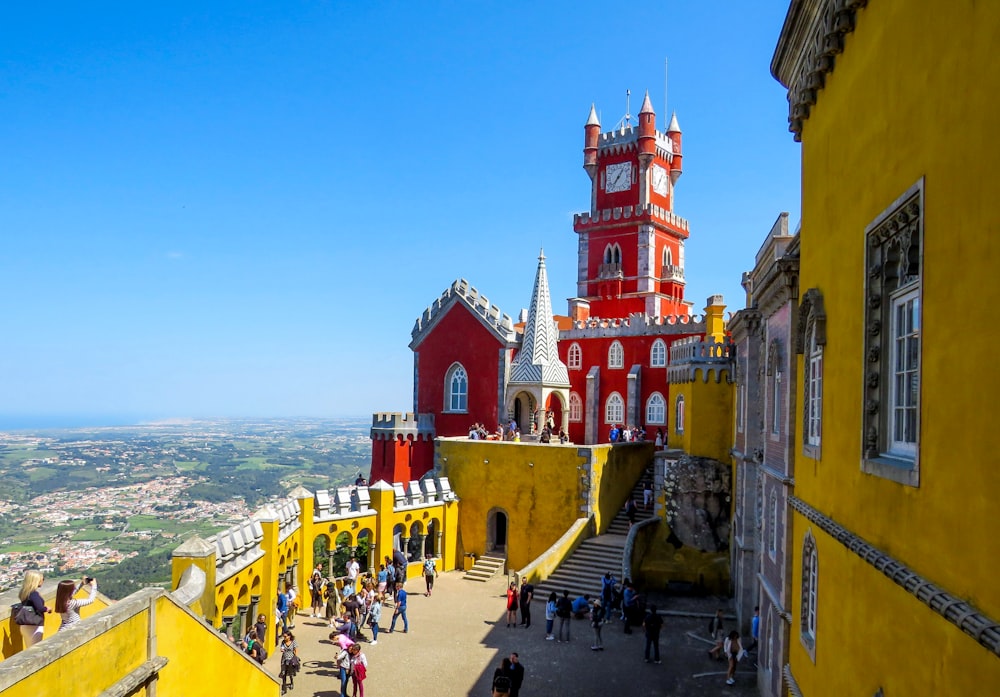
(660, 180)
(618, 177)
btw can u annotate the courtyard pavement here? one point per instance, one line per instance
(458, 636)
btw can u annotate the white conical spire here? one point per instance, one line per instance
(674, 127)
(592, 120)
(647, 106)
(538, 360)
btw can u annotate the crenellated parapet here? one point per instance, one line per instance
(460, 291)
(237, 548)
(649, 212)
(625, 140)
(637, 324)
(694, 355)
(400, 426)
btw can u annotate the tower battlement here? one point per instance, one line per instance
(637, 324)
(389, 425)
(626, 139)
(606, 215)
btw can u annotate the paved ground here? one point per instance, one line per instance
(458, 636)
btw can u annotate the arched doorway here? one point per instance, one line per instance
(496, 531)
(523, 412)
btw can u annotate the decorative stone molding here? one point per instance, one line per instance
(959, 612)
(810, 311)
(812, 36)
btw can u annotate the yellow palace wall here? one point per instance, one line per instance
(913, 95)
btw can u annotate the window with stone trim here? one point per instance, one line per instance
(457, 389)
(679, 414)
(614, 409)
(574, 357)
(810, 579)
(893, 279)
(656, 409)
(658, 354)
(774, 378)
(575, 407)
(772, 522)
(616, 355)
(810, 341)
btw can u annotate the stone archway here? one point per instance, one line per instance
(497, 531)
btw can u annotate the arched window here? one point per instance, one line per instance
(575, 407)
(574, 357)
(616, 355)
(456, 389)
(810, 577)
(616, 254)
(656, 409)
(658, 354)
(679, 414)
(614, 409)
(668, 257)
(608, 254)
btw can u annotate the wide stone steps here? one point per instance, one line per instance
(581, 572)
(485, 568)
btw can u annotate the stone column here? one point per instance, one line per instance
(437, 543)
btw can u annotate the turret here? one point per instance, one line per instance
(674, 133)
(647, 133)
(592, 132)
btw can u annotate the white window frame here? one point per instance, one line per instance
(772, 533)
(656, 409)
(906, 447)
(450, 392)
(679, 414)
(616, 355)
(614, 409)
(658, 354)
(574, 357)
(810, 595)
(575, 407)
(814, 390)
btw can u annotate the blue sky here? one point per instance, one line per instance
(239, 209)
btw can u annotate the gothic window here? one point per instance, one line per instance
(668, 257)
(810, 576)
(893, 278)
(679, 414)
(457, 389)
(575, 407)
(607, 254)
(810, 341)
(656, 409)
(616, 355)
(772, 532)
(614, 409)
(741, 396)
(616, 254)
(574, 357)
(658, 354)
(774, 376)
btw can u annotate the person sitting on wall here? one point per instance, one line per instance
(473, 432)
(581, 606)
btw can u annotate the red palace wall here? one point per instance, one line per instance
(636, 351)
(459, 336)
(401, 459)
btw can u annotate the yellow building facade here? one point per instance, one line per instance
(893, 583)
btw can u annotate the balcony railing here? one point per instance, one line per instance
(605, 271)
(672, 272)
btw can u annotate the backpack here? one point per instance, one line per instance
(501, 683)
(261, 651)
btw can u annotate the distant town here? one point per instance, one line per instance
(84, 500)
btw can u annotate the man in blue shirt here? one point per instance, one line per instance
(400, 609)
(283, 610)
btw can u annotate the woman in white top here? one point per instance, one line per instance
(67, 605)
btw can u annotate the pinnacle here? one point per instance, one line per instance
(592, 120)
(674, 127)
(647, 106)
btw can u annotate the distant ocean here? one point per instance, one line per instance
(36, 422)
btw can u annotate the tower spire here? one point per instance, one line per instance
(538, 360)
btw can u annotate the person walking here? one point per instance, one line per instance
(516, 674)
(282, 605)
(717, 634)
(430, 572)
(652, 623)
(630, 604)
(290, 661)
(564, 610)
(359, 670)
(511, 605)
(734, 652)
(375, 616)
(67, 605)
(550, 616)
(525, 596)
(316, 592)
(31, 633)
(754, 628)
(400, 610)
(607, 594)
(353, 569)
(596, 622)
(344, 669)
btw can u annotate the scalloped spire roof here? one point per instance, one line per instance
(592, 120)
(647, 106)
(538, 360)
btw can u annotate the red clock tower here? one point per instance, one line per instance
(631, 245)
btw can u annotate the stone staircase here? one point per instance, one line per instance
(485, 568)
(581, 572)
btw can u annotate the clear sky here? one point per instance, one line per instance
(240, 208)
